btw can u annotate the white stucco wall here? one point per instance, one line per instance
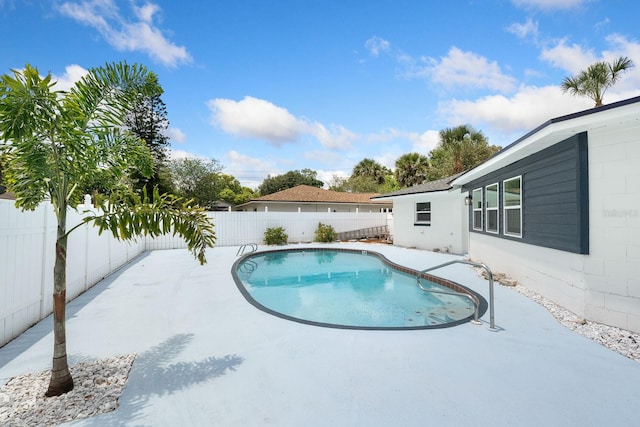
(603, 286)
(449, 219)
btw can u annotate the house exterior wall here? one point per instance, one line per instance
(602, 285)
(611, 269)
(554, 184)
(449, 219)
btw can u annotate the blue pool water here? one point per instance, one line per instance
(345, 289)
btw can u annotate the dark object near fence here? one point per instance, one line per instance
(380, 232)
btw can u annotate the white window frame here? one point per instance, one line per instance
(514, 207)
(417, 221)
(477, 207)
(495, 208)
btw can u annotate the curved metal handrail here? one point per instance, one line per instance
(244, 247)
(476, 303)
(475, 264)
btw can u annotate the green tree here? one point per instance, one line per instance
(233, 192)
(53, 142)
(197, 179)
(148, 121)
(372, 169)
(460, 149)
(273, 184)
(411, 169)
(596, 79)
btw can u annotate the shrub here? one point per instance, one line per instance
(275, 236)
(325, 233)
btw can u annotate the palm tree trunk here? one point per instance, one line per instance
(61, 381)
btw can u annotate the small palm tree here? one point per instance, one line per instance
(52, 143)
(596, 79)
(411, 169)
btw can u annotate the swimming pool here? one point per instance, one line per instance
(350, 289)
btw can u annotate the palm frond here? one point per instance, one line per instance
(127, 216)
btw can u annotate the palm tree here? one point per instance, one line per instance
(596, 79)
(53, 142)
(372, 169)
(411, 169)
(460, 149)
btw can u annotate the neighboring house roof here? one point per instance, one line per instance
(309, 194)
(443, 184)
(4, 194)
(622, 114)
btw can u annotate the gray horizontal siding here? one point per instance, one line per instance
(555, 211)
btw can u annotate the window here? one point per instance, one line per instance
(491, 192)
(423, 213)
(512, 196)
(477, 208)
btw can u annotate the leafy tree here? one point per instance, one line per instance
(363, 184)
(197, 179)
(148, 121)
(233, 192)
(390, 184)
(53, 142)
(460, 149)
(372, 169)
(596, 79)
(273, 184)
(411, 169)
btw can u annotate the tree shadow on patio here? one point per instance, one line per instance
(154, 375)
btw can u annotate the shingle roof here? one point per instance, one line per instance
(307, 193)
(443, 184)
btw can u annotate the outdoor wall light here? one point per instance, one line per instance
(468, 200)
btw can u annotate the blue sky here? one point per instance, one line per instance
(266, 87)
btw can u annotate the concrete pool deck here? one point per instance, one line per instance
(206, 357)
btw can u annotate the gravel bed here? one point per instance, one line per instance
(98, 386)
(620, 340)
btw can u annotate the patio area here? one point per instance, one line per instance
(205, 356)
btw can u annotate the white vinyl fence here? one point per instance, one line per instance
(239, 228)
(27, 252)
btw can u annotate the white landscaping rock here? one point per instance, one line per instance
(98, 386)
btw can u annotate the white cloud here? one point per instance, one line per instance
(530, 107)
(256, 118)
(175, 135)
(470, 69)
(181, 154)
(622, 46)
(528, 29)
(375, 45)
(549, 4)
(424, 142)
(141, 35)
(250, 171)
(261, 119)
(337, 137)
(575, 58)
(72, 74)
(571, 58)
(459, 68)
